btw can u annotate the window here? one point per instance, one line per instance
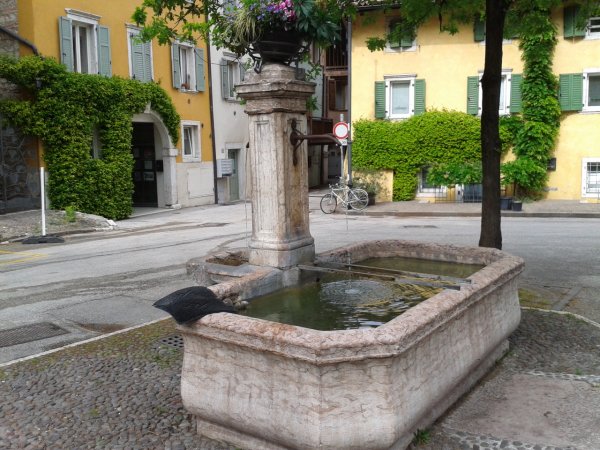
(337, 89)
(188, 67)
(399, 97)
(591, 90)
(593, 28)
(140, 56)
(401, 36)
(424, 186)
(510, 94)
(190, 140)
(84, 44)
(232, 73)
(590, 178)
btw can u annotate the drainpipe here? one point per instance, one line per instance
(20, 39)
(212, 119)
(349, 99)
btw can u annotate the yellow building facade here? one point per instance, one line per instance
(98, 36)
(440, 71)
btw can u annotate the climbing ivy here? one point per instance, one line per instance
(536, 137)
(63, 109)
(434, 138)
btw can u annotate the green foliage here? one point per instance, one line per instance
(237, 26)
(436, 137)
(526, 174)
(536, 138)
(70, 216)
(421, 437)
(453, 173)
(65, 111)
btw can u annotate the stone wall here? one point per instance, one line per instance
(8, 19)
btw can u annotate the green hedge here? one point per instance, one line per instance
(64, 112)
(436, 137)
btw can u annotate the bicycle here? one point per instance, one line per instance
(354, 197)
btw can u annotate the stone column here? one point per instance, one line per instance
(280, 227)
(170, 177)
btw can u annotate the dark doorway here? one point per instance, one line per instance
(144, 166)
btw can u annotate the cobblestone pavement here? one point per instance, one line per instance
(122, 392)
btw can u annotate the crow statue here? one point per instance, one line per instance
(192, 303)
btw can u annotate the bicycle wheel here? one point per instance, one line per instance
(358, 199)
(328, 203)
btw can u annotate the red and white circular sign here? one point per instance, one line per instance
(340, 130)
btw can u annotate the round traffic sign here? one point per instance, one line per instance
(340, 130)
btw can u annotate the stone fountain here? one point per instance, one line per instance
(263, 385)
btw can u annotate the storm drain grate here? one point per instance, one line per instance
(420, 226)
(29, 333)
(175, 341)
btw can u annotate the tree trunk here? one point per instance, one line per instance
(491, 233)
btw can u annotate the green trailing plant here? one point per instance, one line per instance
(536, 138)
(435, 137)
(453, 173)
(65, 111)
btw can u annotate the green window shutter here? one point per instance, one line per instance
(479, 30)
(571, 92)
(393, 42)
(570, 22)
(473, 95)
(65, 28)
(199, 58)
(419, 97)
(516, 82)
(380, 112)
(104, 61)
(224, 79)
(408, 37)
(176, 66)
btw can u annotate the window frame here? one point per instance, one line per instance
(399, 48)
(595, 72)
(190, 61)
(584, 177)
(389, 80)
(234, 67)
(196, 151)
(507, 78)
(589, 34)
(89, 22)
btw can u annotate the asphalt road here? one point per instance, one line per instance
(101, 282)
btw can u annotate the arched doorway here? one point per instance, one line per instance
(154, 173)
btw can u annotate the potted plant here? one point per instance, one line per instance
(268, 30)
(526, 176)
(369, 180)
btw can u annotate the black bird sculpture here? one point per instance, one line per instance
(192, 303)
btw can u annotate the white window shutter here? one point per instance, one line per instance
(199, 60)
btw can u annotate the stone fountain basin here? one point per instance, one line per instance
(264, 385)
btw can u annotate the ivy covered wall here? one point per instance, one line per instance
(64, 110)
(433, 138)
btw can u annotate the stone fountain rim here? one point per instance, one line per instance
(391, 338)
